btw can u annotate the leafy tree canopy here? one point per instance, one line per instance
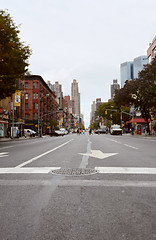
(112, 112)
(141, 92)
(13, 55)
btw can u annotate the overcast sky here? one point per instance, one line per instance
(86, 40)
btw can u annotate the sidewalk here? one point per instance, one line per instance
(143, 135)
(7, 139)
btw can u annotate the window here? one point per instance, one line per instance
(26, 96)
(33, 85)
(33, 105)
(26, 105)
(36, 95)
(37, 105)
(26, 116)
(37, 85)
(33, 95)
(34, 116)
(26, 85)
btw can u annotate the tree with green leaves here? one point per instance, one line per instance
(13, 55)
(141, 92)
(112, 113)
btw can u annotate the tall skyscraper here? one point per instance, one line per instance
(126, 72)
(75, 95)
(138, 65)
(114, 86)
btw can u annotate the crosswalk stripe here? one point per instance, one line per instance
(28, 170)
(125, 170)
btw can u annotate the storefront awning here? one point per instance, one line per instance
(137, 120)
(4, 122)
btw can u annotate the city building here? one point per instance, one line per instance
(138, 65)
(57, 88)
(40, 105)
(126, 72)
(114, 86)
(151, 51)
(98, 103)
(92, 113)
(94, 108)
(4, 116)
(75, 96)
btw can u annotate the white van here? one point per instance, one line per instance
(29, 132)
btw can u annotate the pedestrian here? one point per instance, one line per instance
(17, 133)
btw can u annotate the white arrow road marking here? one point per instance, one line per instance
(98, 154)
(4, 154)
(125, 170)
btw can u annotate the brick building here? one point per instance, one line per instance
(40, 104)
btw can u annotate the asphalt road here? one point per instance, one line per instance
(88, 187)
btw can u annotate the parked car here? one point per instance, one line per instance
(29, 132)
(60, 132)
(115, 130)
(63, 131)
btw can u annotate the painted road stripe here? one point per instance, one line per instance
(28, 170)
(3, 154)
(115, 141)
(131, 146)
(6, 147)
(125, 170)
(43, 154)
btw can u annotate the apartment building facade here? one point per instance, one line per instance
(40, 105)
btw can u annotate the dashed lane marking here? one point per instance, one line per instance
(127, 145)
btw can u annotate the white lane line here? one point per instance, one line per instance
(43, 154)
(6, 147)
(3, 154)
(115, 141)
(28, 170)
(125, 170)
(131, 146)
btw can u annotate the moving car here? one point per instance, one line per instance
(29, 132)
(115, 130)
(101, 130)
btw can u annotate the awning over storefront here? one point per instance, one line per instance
(137, 120)
(4, 122)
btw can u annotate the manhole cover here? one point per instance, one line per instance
(74, 171)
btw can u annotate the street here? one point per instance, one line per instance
(88, 187)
